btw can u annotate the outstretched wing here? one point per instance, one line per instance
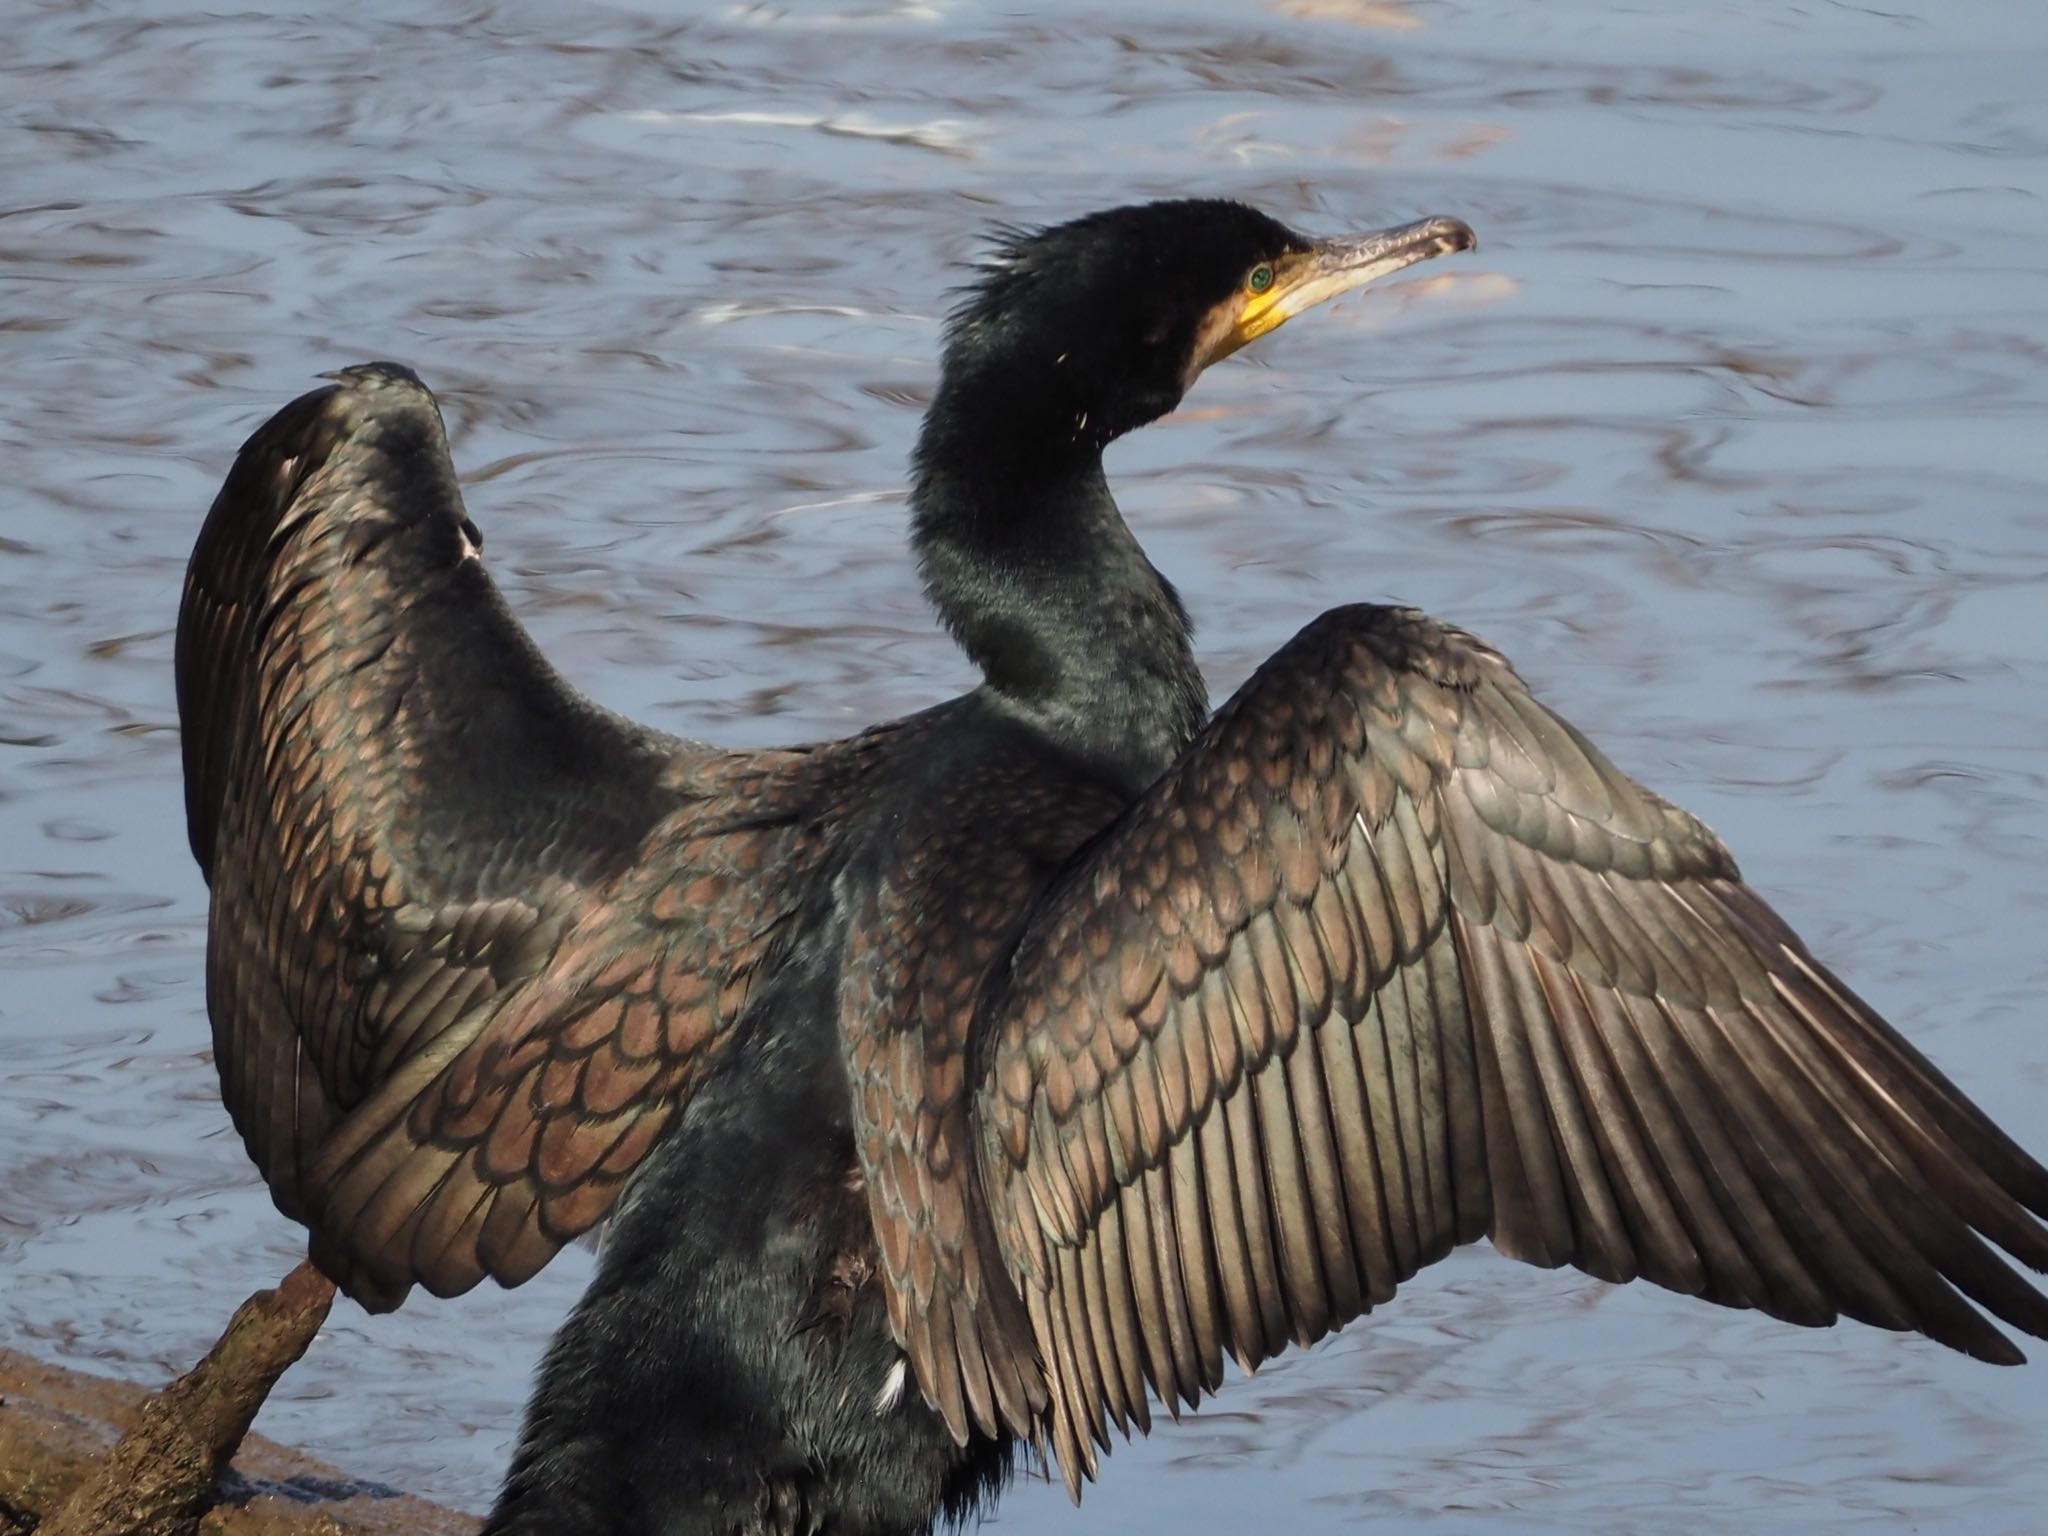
(1393, 959)
(472, 937)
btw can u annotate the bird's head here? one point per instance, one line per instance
(1079, 332)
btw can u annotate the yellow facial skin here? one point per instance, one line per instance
(1303, 279)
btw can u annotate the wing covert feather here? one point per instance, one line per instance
(919, 948)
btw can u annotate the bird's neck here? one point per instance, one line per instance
(1037, 575)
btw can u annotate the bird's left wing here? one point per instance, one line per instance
(473, 939)
(1391, 959)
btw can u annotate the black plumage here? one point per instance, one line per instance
(981, 1075)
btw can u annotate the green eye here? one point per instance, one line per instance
(1261, 278)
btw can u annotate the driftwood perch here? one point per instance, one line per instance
(164, 1475)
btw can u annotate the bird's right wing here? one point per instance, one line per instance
(1393, 958)
(472, 938)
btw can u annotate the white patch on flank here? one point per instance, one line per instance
(892, 1388)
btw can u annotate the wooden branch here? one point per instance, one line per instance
(164, 1476)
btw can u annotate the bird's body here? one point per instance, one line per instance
(740, 1284)
(973, 1078)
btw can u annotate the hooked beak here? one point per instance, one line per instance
(1337, 266)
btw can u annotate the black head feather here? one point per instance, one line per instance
(1078, 332)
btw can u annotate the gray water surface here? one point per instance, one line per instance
(1731, 434)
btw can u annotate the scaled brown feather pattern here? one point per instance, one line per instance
(473, 938)
(974, 852)
(1392, 959)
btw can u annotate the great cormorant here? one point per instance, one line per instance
(980, 1076)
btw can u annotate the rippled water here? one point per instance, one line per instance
(1731, 434)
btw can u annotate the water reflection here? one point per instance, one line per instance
(1729, 435)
